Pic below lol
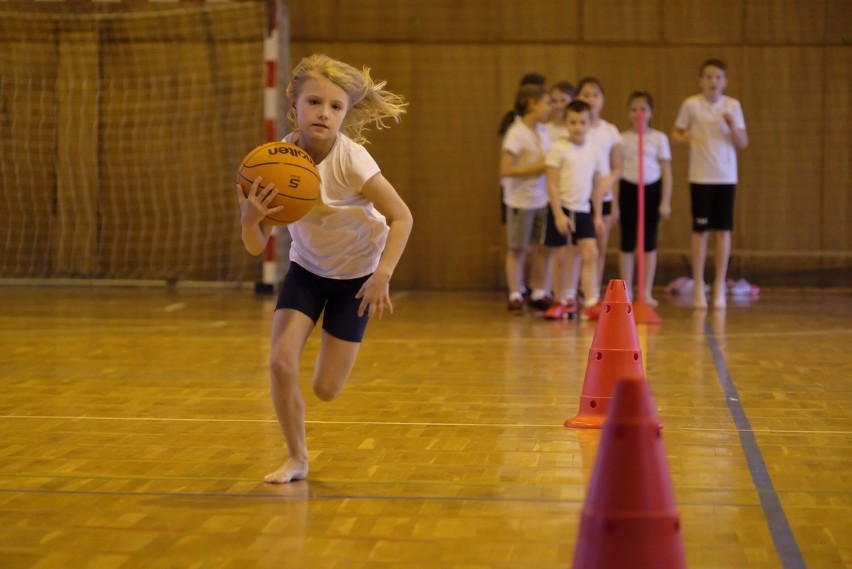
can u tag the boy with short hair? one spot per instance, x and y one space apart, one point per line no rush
575 168
714 127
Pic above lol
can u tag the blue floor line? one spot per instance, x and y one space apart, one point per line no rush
779 527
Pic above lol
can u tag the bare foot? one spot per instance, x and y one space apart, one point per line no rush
651 301
719 300
699 299
291 471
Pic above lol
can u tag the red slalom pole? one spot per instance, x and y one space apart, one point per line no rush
645 313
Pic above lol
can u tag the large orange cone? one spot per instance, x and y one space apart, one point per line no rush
615 353
629 519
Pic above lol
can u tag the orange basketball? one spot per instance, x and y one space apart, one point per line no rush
291 170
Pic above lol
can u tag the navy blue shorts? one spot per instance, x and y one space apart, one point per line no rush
628 205
712 207
584 228
313 295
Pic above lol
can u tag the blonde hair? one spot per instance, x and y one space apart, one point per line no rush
369 102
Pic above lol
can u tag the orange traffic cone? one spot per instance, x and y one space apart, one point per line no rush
644 313
629 518
615 353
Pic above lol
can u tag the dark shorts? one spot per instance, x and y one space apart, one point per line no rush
584 228
312 295
712 207
628 204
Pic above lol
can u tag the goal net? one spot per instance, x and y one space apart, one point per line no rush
122 124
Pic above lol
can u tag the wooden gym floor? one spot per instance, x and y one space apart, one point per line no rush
135 427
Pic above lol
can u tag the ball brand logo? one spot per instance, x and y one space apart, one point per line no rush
291 150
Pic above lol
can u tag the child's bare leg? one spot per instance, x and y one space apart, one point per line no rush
625 269
290 330
602 241
334 364
515 270
723 253
573 263
650 269
591 281
699 256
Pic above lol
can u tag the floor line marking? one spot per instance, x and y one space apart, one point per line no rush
401 424
786 545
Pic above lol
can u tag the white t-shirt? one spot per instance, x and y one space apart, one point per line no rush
578 164
655 147
556 131
604 135
712 154
530 147
342 236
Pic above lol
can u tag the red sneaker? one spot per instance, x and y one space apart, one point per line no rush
516 304
562 310
592 312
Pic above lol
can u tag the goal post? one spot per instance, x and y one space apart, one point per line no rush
122 124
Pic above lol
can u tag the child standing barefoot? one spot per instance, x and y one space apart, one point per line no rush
713 126
344 250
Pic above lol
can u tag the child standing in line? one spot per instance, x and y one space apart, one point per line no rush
714 127
657 169
561 93
575 168
525 195
605 136
344 250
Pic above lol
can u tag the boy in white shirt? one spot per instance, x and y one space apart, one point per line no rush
714 127
575 168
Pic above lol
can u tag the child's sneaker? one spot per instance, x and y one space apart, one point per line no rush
592 312
542 303
564 310
516 304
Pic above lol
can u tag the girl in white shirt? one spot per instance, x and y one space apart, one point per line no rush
606 137
561 93
656 162
344 250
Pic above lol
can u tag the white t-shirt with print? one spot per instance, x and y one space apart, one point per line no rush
655 147
342 236
712 154
529 146
578 164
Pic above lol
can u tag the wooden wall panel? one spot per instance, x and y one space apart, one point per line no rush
699 21
619 21
838 17
543 20
784 158
375 20
454 175
785 21
317 20
836 207
781 171
454 21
